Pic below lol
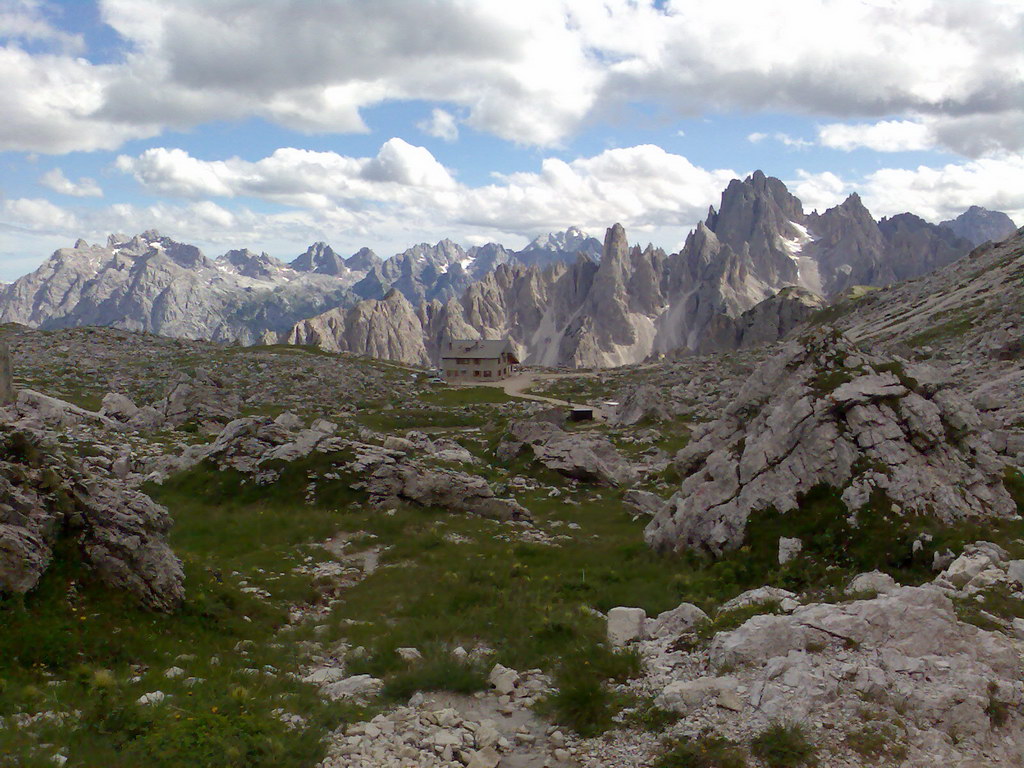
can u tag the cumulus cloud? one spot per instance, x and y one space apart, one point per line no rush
26 20
398 173
642 186
36 215
933 193
885 136
944 192
441 125
530 72
58 182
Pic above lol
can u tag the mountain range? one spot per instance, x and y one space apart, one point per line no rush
753 269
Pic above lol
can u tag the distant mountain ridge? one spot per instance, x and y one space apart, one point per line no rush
632 303
564 299
152 283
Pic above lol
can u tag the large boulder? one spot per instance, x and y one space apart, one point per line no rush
201 397
822 412
393 479
584 456
642 402
121 533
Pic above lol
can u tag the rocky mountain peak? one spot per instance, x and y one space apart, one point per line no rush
362 260
560 246
251 264
321 259
979 225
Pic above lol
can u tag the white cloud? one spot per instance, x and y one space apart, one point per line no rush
885 136
441 125
36 215
531 72
399 173
818 191
944 192
25 20
50 102
58 182
783 138
643 186
933 194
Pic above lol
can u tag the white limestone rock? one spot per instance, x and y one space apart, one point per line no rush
680 619
626 625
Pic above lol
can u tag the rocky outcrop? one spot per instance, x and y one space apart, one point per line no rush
391 478
47 497
979 225
6 375
823 412
643 402
765 323
903 656
584 456
201 397
388 329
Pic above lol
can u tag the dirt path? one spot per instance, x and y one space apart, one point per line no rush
516 386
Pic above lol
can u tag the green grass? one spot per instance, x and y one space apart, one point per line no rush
643 713
75 632
947 330
460 396
877 741
784 745
702 752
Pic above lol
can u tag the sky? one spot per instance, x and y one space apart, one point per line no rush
271 124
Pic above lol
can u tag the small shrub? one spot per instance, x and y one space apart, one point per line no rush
998 713
784 745
582 703
704 752
650 717
438 670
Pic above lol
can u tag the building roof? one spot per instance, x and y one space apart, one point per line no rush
488 348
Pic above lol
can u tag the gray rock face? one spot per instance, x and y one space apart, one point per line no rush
979 225
909 647
6 375
641 402
822 412
556 247
388 329
764 323
45 496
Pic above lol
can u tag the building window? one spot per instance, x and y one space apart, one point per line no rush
476 374
487 374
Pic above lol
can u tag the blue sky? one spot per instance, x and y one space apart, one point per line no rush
273 123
